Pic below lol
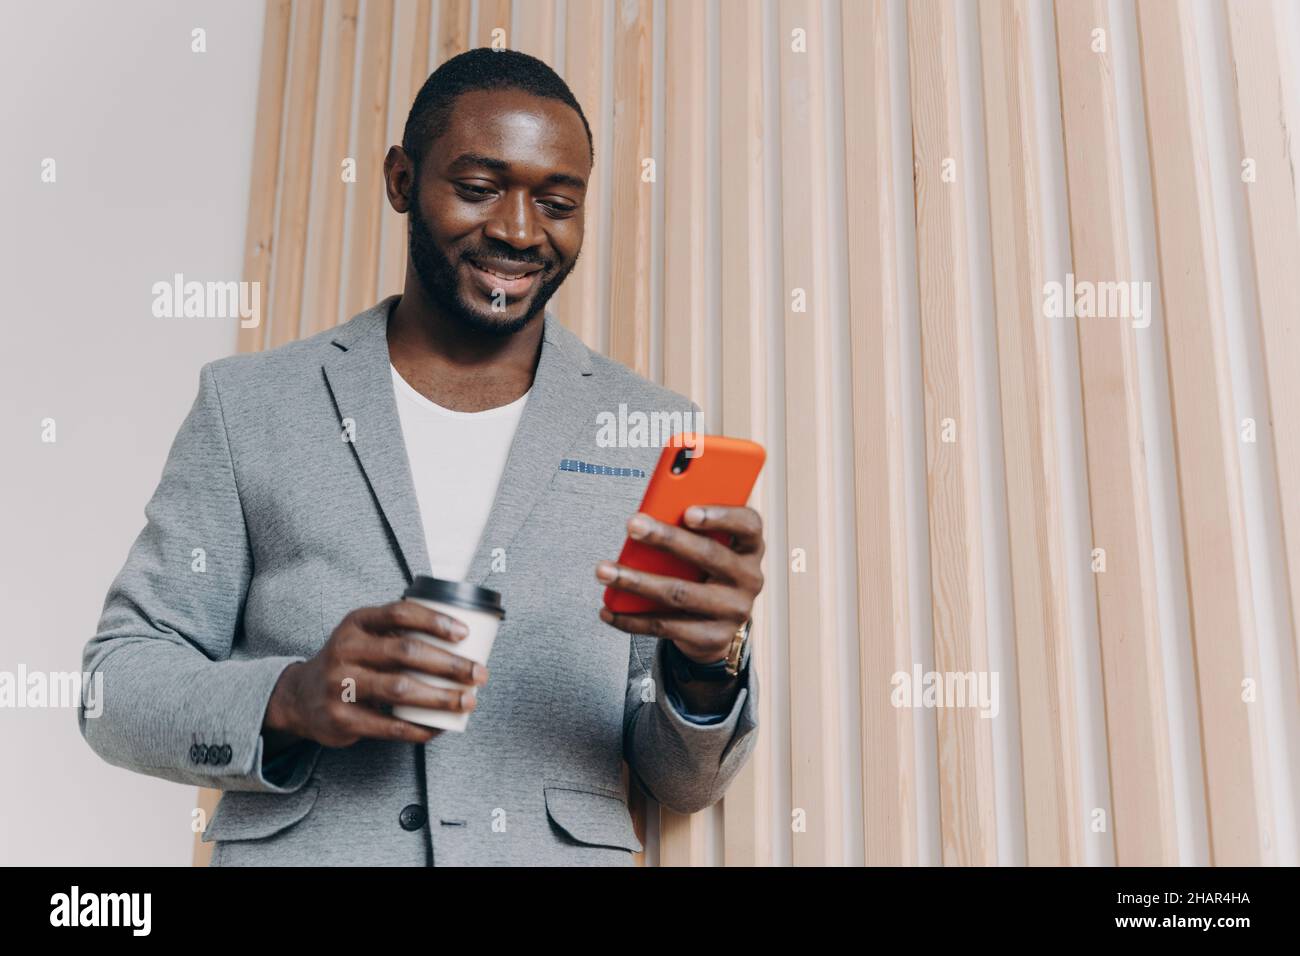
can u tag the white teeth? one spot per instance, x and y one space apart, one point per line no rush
501 275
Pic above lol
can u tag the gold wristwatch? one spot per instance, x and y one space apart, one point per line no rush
687 671
736 656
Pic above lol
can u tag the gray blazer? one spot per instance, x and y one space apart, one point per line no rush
267 527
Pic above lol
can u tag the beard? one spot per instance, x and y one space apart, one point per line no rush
440 279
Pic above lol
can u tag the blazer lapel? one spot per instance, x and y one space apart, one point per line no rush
360 379
559 405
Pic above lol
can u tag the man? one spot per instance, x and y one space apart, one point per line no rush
254 641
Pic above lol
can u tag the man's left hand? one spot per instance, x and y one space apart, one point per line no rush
700 618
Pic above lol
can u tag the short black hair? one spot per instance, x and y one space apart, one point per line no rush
482 68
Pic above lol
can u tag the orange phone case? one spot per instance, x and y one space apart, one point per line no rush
722 474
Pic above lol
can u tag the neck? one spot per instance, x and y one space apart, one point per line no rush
458 367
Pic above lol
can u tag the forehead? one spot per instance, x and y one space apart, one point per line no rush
535 135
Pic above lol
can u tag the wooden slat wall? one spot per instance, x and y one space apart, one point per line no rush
884 634
1141 774
747 823
324 249
290 253
324 275
967 821
1205 435
260 233
629 248
1048 723
493 15
368 150
411 67
535 30
578 302
1266 140
815 725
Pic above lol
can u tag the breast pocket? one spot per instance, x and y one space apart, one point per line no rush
590 815
612 487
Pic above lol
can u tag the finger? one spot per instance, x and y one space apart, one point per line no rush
366 722
398 688
701 640
710 600
706 553
410 616
744 524
410 651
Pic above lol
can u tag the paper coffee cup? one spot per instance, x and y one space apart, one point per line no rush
481 612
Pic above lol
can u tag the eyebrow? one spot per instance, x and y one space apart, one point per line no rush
466 160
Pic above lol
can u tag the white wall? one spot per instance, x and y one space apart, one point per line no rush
152 144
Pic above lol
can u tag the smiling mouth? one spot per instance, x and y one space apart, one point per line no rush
508 276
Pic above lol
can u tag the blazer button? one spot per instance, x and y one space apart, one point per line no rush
226 753
203 753
412 817
194 753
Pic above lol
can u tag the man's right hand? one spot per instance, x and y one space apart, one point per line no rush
311 699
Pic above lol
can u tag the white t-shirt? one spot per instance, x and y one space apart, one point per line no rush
457 459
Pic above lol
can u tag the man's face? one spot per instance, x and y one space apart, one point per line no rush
497 208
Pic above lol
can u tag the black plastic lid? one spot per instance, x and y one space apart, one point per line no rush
455 592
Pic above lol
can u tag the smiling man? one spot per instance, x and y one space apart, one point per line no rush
255 640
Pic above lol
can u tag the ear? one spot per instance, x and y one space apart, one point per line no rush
399 177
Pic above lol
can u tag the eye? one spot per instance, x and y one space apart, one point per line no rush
560 208
474 190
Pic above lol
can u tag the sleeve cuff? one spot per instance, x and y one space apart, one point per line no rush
244 765
671 705
703 719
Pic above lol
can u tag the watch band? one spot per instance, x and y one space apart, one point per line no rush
737 659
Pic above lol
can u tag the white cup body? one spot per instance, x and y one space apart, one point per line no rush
482 633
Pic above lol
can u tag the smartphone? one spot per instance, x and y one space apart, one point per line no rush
692 470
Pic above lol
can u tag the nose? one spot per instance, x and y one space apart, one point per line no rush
514 221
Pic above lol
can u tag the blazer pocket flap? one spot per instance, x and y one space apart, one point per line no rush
593 817
251 815
620 483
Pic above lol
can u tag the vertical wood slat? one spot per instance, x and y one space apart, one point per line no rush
324 275
1205 440
815 731
259 237
578 303
685 839
493 15
749 804
410 70
884 638
290 251
967 821
453 31
535 30
1141 775
1054 818
368 151
1274 228
630 241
